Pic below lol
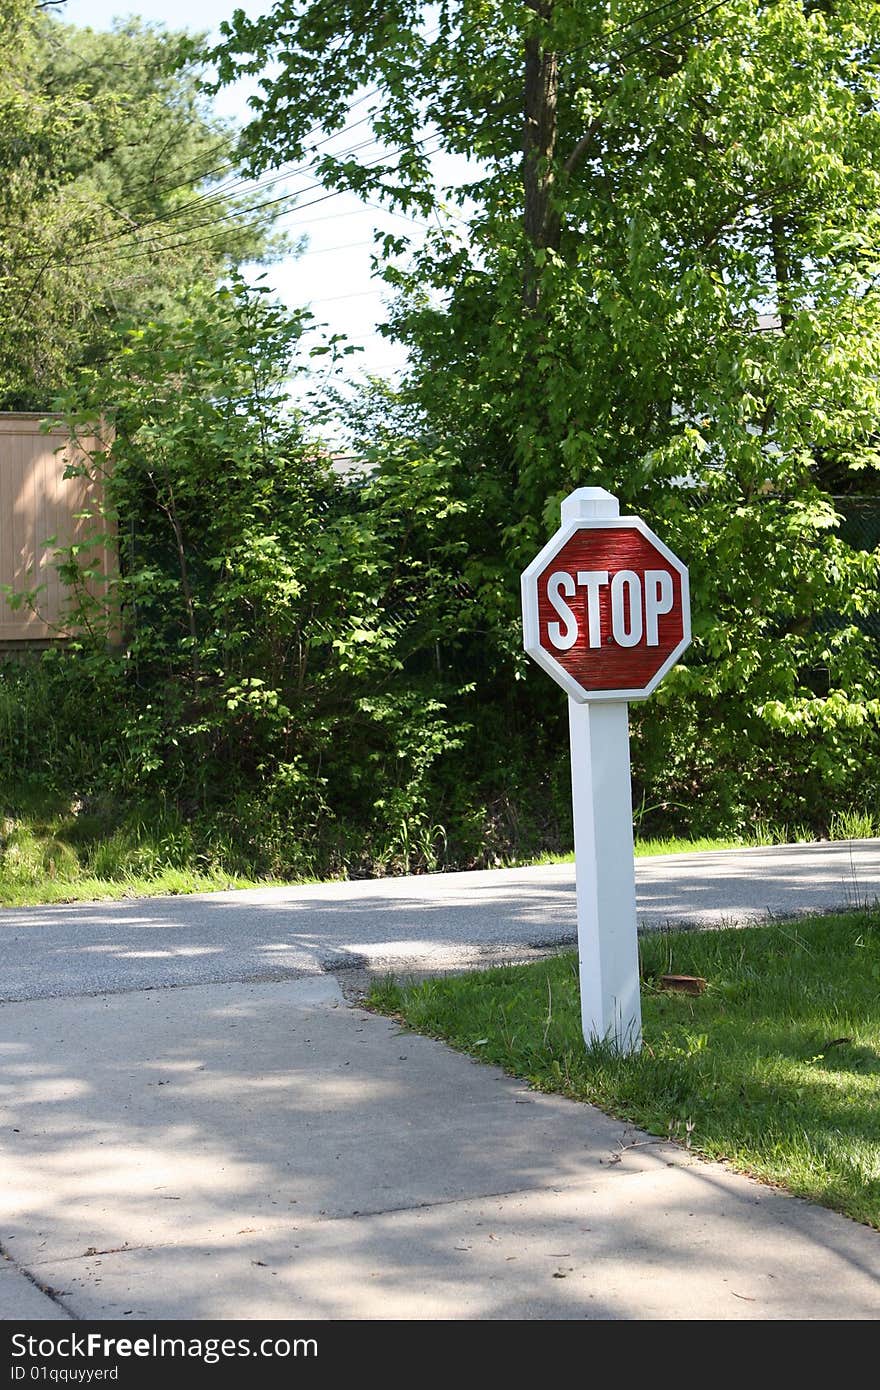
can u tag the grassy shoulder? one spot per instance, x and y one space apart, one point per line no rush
52 851
846 824
55 851
165 883
54 859
775 1068
680 844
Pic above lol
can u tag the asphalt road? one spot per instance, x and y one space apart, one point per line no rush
251 1147
431 922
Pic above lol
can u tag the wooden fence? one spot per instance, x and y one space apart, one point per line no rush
37 503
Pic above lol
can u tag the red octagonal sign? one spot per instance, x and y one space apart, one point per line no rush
606 609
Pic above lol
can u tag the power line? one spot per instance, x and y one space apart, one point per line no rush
219 196
692 19
288 197
622 28
343 130
126 255
243 180
283 172
345 246
232 187
386 212
356 212
337 298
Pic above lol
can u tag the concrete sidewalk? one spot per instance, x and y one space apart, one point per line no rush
264 1150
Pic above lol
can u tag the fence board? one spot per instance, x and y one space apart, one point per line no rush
36 503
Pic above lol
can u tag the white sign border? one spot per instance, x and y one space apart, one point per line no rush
531 621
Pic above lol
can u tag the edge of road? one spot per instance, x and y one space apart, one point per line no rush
440 876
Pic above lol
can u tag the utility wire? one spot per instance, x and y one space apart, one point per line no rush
215 198
243 180
223 191
345 246
343 130
220 195
622 28
692 19
126 255
337 298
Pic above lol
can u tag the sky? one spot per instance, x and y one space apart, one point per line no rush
332 276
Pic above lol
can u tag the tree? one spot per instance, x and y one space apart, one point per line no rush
669 288
115 192
254 649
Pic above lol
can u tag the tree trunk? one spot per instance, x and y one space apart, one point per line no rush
542 225
782 269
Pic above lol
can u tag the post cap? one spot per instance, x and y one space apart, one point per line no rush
588 504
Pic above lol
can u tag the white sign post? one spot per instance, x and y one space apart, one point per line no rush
606 613
605 874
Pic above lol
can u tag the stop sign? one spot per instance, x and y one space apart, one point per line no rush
606 608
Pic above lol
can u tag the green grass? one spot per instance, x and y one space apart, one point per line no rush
85 889
672 845
775 1068
56 853
52 858
845 825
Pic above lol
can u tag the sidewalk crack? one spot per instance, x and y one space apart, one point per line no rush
48 1290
